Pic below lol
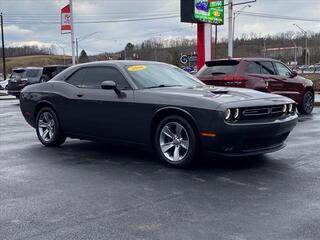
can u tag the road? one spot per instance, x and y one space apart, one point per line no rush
86 190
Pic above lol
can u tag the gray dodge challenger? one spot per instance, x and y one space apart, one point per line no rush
158 106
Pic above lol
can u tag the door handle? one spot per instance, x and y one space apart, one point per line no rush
79 95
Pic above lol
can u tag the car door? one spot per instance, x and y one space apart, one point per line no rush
73 116
286 84
105 114
256 80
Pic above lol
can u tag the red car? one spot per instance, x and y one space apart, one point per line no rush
262 74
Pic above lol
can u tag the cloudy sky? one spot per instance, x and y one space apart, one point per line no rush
37 21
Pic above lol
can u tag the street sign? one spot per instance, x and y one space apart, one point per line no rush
184 59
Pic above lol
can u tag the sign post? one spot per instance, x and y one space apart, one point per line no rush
67 26
204 13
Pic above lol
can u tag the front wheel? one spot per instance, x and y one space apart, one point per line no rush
48 128
307 104
176 141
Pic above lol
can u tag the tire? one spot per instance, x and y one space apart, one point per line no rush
174 148
307 104
47 120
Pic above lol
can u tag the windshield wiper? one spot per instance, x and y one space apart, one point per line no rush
162 85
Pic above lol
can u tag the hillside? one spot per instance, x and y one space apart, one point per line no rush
35 61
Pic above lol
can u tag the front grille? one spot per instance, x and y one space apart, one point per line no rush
262 112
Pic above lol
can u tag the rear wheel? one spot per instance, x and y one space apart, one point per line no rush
307 104
175 141
48 128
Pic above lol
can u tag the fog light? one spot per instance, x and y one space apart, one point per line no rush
284 109
236 113
227 114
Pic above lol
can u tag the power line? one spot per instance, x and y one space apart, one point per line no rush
94 21
266 15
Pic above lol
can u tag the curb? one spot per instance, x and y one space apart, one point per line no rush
8 98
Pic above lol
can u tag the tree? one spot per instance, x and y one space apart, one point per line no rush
83 57
128 51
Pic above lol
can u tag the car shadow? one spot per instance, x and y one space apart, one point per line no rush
86 152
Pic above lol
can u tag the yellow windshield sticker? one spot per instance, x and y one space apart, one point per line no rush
137 68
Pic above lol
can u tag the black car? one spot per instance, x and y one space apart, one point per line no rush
21 77
159 106
49 72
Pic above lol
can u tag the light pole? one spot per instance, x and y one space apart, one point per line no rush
295 50
236 14
78 39
306 42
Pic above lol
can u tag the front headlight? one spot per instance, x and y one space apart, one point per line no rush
284 109
290 108
227 114
236 113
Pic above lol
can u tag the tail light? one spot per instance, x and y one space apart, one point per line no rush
232 80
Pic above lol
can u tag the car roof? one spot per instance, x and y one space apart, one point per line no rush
26 68
120 62
56 66
247 59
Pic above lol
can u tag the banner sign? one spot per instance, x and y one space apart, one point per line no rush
65 19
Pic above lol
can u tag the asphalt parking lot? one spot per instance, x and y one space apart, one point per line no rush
86 190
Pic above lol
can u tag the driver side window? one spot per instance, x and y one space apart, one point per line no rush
282 69
96 75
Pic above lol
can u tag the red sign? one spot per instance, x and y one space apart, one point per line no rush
66 19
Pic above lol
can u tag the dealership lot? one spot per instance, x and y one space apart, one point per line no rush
86 190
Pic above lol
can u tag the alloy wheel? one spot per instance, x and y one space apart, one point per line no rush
308 102
46 126
174 141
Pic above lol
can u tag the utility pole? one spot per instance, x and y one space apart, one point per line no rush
3 50
306 42
77 54
72 34
78 39
264 48
230 43
236 14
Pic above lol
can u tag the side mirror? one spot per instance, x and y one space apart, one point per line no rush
110 85
294 74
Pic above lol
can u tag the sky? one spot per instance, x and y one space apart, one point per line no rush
36 22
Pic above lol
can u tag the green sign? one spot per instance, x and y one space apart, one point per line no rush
209 11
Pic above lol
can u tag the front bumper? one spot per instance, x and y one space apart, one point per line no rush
250 138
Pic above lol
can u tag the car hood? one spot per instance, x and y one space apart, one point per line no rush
222 97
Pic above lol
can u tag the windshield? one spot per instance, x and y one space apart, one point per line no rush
18 73
161 75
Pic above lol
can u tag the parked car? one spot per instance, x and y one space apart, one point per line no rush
21 77
4 84
49 72
265 75
159 106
